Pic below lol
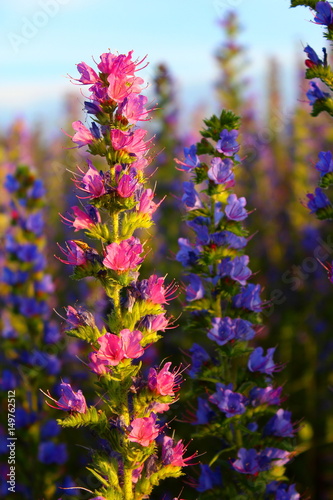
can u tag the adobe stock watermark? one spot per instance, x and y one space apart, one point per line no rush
30 26
297 274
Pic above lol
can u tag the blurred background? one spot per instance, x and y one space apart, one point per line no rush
243 55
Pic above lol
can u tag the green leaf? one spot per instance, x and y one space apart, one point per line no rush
326 180
91 418
306 3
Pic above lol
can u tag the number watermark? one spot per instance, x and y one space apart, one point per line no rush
11 442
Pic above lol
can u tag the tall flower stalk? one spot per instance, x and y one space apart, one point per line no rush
131 453
238 409
29 346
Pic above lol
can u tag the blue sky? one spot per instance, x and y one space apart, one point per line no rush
42 40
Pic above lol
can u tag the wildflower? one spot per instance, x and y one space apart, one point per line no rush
249 298
220 171
52 453
314 94
172 454
82 135
143 430
324 14
247 462
236 268
280 425
163 382
195 289
84 219
190 197
187 255
318 200
88 75
70 400
231 403
325 163
126 186
146 204
92 182
227 144
282 491
123 256
313 60
265 395
191 159
199 357
222 331
76 256
133 108
209 478
235 208
263 364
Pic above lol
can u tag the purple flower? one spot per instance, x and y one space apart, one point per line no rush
313 59
199 357
191 159
37 190
27 252
325 163
260 363
280 425
204 413
187 254
35 223
235 208
209 478
195 289
265 395
52 453
282 491
227 238
247 462
318 200
126 186
265 457
324 14
190 197
201 227
49 429
227 143
70 400
222 331
231 403
236 268
220 171
13 277
11 183
249 298
8 380
243 329
314 93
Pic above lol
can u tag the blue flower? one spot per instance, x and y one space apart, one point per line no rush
229 239
231 403
249 298
13 277
191 159
243 329
280 425
318 200
199 357
37 190
325 163
220 171
195 289
187 255
312 56
235 208
201 227
27 252
11 183
49 429
8 380
324 14
282 491
204 413
265 395
51 333
52 453
190 197
227 143
236 268
35 223
264 364
247 462
209 478
315 94
222 331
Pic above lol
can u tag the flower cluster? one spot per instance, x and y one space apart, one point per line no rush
238 403
30 338
115 203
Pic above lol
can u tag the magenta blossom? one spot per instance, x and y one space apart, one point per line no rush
133 108
83 136
76 256
98 365
143 430
126 186
88 75
114 349
146 204
69 400
123 256
163 382
83 219
130 142
92 182
130 343
173 454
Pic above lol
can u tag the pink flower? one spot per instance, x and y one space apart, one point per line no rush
162 382
173 455
146 204
105 66
156 323
133 108
155 292
83 136
92 182
118 88
123 256
131 142
143 430
76 256
110 349
136 474
126 186
70 400
78 317
130 342
83 219
88 75
98 365
140 164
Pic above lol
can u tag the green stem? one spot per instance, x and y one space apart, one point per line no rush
127 490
